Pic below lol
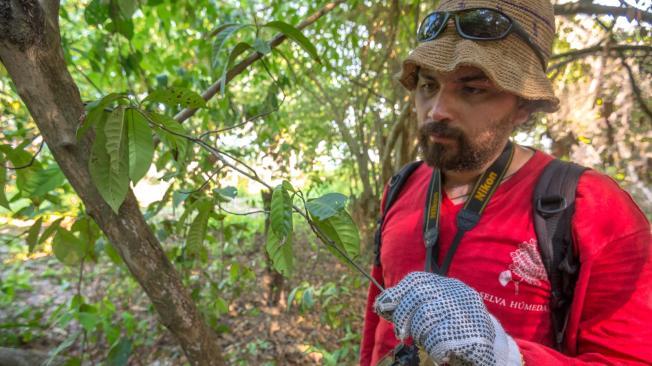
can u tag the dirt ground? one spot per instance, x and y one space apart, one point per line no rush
259 334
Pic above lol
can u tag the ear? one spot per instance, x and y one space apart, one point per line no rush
523 111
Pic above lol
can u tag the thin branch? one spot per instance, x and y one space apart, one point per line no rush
359 83
598 48
590 8
332 244
571 56
88 79
396 130
31 161
241 213
253 57
206 182
237 160
636 89
258 116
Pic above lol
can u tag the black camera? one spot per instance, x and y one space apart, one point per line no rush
405 355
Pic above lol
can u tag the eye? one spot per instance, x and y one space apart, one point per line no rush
427 87
472 91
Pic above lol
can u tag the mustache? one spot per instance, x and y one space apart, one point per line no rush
440 129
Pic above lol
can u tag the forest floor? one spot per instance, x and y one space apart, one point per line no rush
255 333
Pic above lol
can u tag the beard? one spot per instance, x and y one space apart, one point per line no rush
462 153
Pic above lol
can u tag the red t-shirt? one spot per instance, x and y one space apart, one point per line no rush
610 319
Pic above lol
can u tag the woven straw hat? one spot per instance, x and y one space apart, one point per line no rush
510 63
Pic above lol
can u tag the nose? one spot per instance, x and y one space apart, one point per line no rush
441 108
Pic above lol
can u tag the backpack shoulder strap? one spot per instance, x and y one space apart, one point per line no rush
554 205
393 189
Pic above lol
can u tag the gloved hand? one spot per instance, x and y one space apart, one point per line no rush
447 319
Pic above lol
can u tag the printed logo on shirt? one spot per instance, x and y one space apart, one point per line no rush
526 266
513 304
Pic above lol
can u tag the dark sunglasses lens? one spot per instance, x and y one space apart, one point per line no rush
430 26
484 23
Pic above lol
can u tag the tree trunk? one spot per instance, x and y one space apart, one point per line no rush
26 357
30 49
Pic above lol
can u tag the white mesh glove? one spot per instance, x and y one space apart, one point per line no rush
448 319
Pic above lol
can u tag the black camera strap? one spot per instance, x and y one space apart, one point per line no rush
470 214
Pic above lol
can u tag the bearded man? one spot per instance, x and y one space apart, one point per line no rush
477 74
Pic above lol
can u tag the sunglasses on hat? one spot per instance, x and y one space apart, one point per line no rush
480 24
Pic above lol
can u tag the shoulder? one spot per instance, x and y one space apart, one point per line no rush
404 179
602 194
604 212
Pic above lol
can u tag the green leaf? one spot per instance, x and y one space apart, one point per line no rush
50 230
127 8
235 52
24 177
141 145
226 194
294 34
119 353
88 321
95 111
3 181
112 185
281 213
189 209
221 306
124 26
287 186
223 33
176 96
307 300
327 205
262 46
280 252
171 133
32 234
113 254
291 297
43 181
61 347
116 140
341 229
67 248
197 232
96 12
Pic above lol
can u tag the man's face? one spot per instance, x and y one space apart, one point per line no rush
464 120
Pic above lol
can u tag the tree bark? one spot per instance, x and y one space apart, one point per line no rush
26 357
30 49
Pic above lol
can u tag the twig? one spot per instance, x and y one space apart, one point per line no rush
88 79
330 243
598 48
636 89
208 180
590 8
260 115
575 55
241 213
31 161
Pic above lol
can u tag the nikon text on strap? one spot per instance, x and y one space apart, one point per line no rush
470 214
